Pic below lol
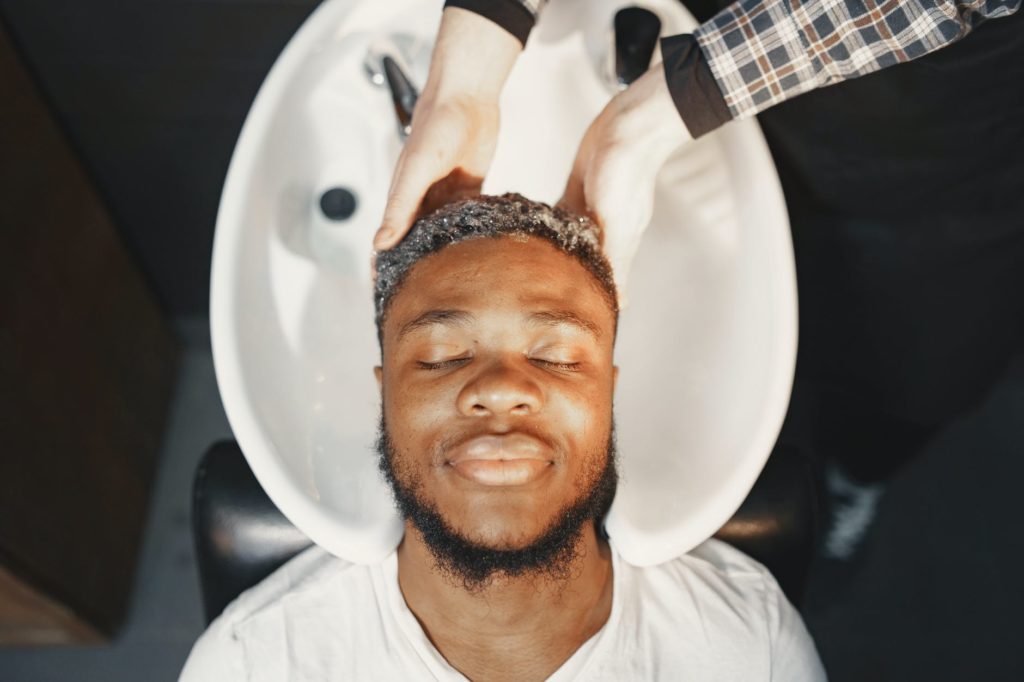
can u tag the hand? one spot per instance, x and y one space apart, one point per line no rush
614 173
455 123
445 158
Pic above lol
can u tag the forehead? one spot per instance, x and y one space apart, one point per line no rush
504 273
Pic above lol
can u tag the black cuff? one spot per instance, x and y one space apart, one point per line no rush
692 85
511 15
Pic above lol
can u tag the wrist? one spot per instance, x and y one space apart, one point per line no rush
472 57
694 90
645 111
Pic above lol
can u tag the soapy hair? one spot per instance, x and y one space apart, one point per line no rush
508 215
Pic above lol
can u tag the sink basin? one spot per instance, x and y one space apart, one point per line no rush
706 347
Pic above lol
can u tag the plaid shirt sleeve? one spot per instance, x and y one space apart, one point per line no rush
762 52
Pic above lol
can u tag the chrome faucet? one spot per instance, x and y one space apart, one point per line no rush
384 66
403 95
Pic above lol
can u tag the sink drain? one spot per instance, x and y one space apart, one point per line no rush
338 203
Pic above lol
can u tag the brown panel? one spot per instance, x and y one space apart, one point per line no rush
30 618
86 369
152 95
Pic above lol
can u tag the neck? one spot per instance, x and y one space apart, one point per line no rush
513 627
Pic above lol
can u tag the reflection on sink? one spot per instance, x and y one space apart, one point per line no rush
706 347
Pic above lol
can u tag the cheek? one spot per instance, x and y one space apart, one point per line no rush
586 421
415 413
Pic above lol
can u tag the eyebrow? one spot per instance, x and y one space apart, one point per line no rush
461 318
449 318
556 318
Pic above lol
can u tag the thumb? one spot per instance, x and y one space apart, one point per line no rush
626 215
574 196
620 273
413 177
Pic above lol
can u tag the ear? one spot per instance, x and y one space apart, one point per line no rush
378 374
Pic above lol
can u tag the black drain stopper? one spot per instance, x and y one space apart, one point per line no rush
338 203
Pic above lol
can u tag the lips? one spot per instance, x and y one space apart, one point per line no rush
500 460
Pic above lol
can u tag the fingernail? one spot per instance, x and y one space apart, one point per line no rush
381 239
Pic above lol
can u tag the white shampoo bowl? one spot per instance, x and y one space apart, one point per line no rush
706 347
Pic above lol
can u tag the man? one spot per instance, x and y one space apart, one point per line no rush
904 188
497 320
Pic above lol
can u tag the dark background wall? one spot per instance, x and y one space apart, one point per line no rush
153 93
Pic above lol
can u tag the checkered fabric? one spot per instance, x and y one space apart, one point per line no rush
762 52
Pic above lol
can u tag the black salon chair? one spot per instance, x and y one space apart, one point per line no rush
241 537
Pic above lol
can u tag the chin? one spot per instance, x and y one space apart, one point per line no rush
502 530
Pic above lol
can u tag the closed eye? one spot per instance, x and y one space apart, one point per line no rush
444 364
563 366
457 362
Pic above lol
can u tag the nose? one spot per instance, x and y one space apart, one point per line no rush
500 389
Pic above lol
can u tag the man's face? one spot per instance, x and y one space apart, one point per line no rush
497 382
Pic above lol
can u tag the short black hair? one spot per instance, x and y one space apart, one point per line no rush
491 217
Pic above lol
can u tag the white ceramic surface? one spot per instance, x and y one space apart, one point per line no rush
706 347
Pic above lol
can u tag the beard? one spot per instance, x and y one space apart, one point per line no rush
471 564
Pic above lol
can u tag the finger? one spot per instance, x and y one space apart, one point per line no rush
574 195
626 216
622 295
622 260
573 199
415 174
620 274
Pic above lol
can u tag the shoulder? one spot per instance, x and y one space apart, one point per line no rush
741 582
719 558
303 573
719 575
739 607
715 562
722 586
221 652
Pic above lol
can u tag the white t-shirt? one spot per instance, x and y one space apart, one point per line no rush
711 614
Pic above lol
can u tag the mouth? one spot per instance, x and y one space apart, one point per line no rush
500 460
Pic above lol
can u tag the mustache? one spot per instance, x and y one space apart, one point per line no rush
454 440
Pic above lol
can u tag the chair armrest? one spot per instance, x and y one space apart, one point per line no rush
240 536
778 522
